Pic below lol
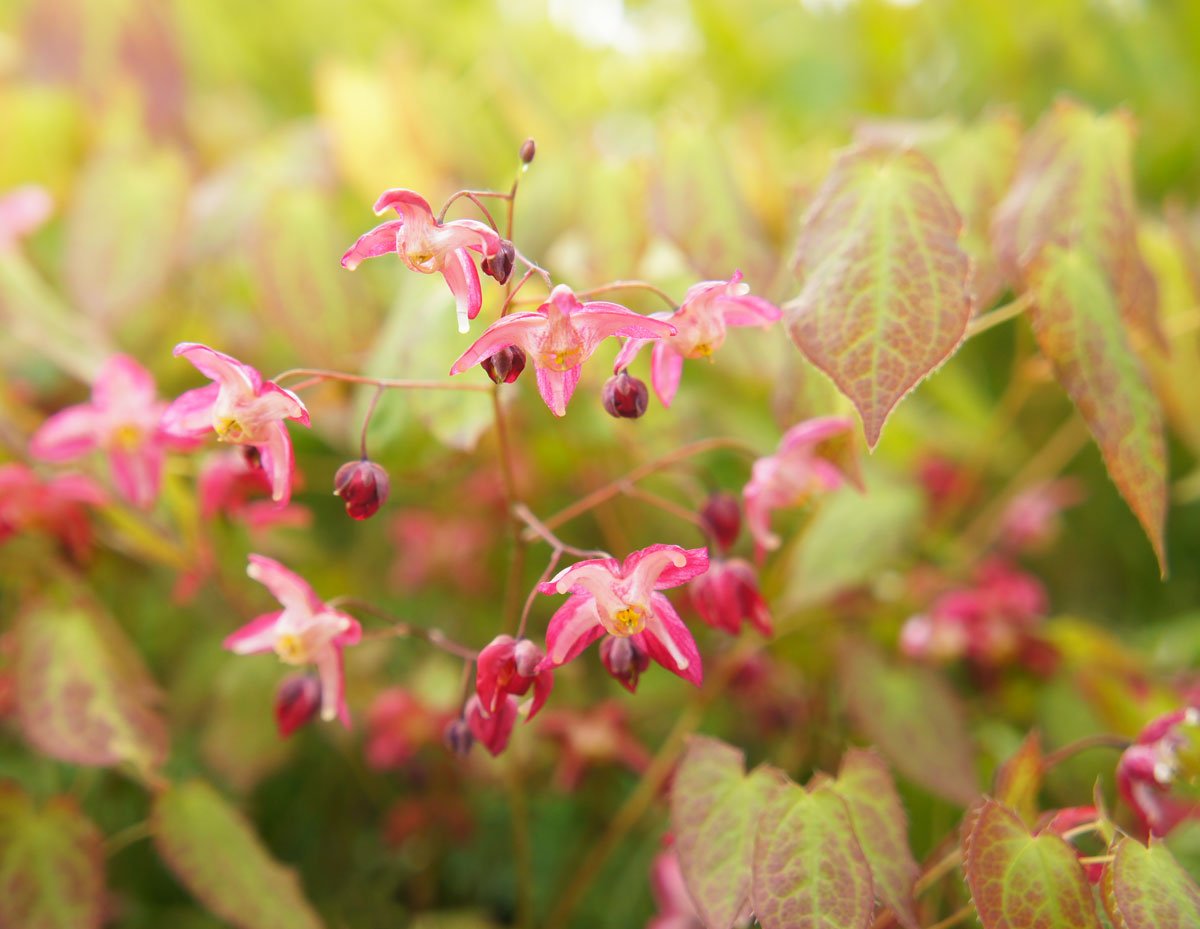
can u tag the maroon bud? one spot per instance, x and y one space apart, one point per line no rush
722 518
297 702
500 265
526 658
624 660
506 365
252 457
457 737
363 485
625 397
528 150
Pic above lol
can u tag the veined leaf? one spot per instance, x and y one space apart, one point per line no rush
1146 888
1076 324
1019 779
884 298
214 852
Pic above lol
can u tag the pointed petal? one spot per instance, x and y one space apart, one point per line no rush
138 473
256 636
812 431
747 311
666 368
556 387
408 203
224 369
628 352
467 233
286 586
542 685
275 402
123 384
671 564
493 658
191 413
596 321
514 329
758 517
333 686
379 241
572 628
463 279
277 461
67 434
668 641
595 573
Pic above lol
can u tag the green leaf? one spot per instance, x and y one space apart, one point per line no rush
214 852
914 717
714 816
809 870
1077 327
884 298
881 827
1020 881
1146 888
83 693
1019 779
51 865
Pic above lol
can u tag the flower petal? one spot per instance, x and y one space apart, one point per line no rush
379 241
542 685
224 369
596 321
556 387
67 434
668 641
463 279
660 566
277 460
408 203
256 636
467 233
123 384
137 473
747 311
514 329
286 586
191 413
573 627
666 368
628 352
596 573
275 402
333 686
812 431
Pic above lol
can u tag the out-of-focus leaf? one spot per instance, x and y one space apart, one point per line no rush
51 865
83 693
714 816
1077 327
1146 888
243 746
1020 881
124 227
214 852
1019 779
881 826
809 870
915 719
884 298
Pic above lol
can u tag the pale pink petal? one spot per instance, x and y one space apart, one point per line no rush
256 636
594 573
668 641
67 434
514 329
351 635
275 402
333 686
22 210
812 431
467 233
190 415
289 588
463 279
758 518
747 311
597 321
408 203
667 565
123 384
77 488
224 369
666 369
826 474
137 473
277 460
556 387
628 352
379 241
573 627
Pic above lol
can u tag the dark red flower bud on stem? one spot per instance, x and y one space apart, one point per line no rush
528 150
722 518
297 702
363 485
625 397
500 265
506 365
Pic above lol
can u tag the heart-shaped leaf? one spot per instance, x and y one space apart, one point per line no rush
1019 779
1146 888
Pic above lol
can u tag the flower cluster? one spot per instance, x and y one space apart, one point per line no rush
1159 775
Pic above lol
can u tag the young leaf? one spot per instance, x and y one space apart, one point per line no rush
884 298
1146 888
809 870
1020 881
714 816
1019 779
1077 327
881 826
83 694
214 852
51 865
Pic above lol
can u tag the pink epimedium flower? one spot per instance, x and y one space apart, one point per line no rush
1159 775
306 631
492 730
122 420
727 595
623 600
507 666
57 506
559 337
242 409
800 469
425 245
708 309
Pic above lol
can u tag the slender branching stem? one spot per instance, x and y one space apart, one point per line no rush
398 629
319 375
997 316
541 531
362 441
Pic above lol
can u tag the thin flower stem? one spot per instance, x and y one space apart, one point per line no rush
629 285
540 531
997 316
1097 859
956 917
662 503
362 442
1093 826
318 375
555 555
939 869
473 196
534 266
119 841
400 629
1103 740
508 299
507 472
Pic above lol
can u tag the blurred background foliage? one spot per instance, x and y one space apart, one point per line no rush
209 162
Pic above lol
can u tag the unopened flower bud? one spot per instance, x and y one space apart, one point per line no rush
252 456
363 485
506 365
528 150
526 657
457 737
500 265
722 518
624 660
625 397
297 702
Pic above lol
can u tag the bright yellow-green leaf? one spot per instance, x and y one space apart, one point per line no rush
1146 888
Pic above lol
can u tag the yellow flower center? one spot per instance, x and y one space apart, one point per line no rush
630 620
228 429
127 437
703 350
291 649
562 360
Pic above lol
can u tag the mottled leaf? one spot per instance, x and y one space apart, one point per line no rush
714 816
214 852
881 826
1020 881
1019 779
914 717
83 693
1146 888
884 298
1077 327
51 865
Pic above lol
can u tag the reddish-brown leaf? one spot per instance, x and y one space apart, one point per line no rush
1146 888
1019 779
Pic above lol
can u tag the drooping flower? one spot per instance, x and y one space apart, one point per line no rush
509 666
559 337
297 702
233 484
623 600
708 309
305 632
122 420
625 397
425 245
56 506
721 518
624 661
242 409
492 730
812 459
727 595
1159 775
363 485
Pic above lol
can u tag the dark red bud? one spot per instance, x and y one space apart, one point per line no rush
363 485
625 397
500 265
528 150
506 365
252 456
526 658
297 702
624 660
457 737
722 518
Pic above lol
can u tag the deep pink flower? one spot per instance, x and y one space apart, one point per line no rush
399 724
425 245
242 409
363 485
238 488
722 519
805 464
297 702
727 595
708 309
508 666
306 631
559 337
57 506
587 738
122 420
1032 519
624 661
1159 775
22 210
493 730
624 601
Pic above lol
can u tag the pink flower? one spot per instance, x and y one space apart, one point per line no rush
1158 775
399 724
624 601
123 420
230 484
242 409
708 309
805 464
727 595
306 631
675 907
22 210
507 666
589 738
493 730
559 338
1031 520
425 245
56 506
